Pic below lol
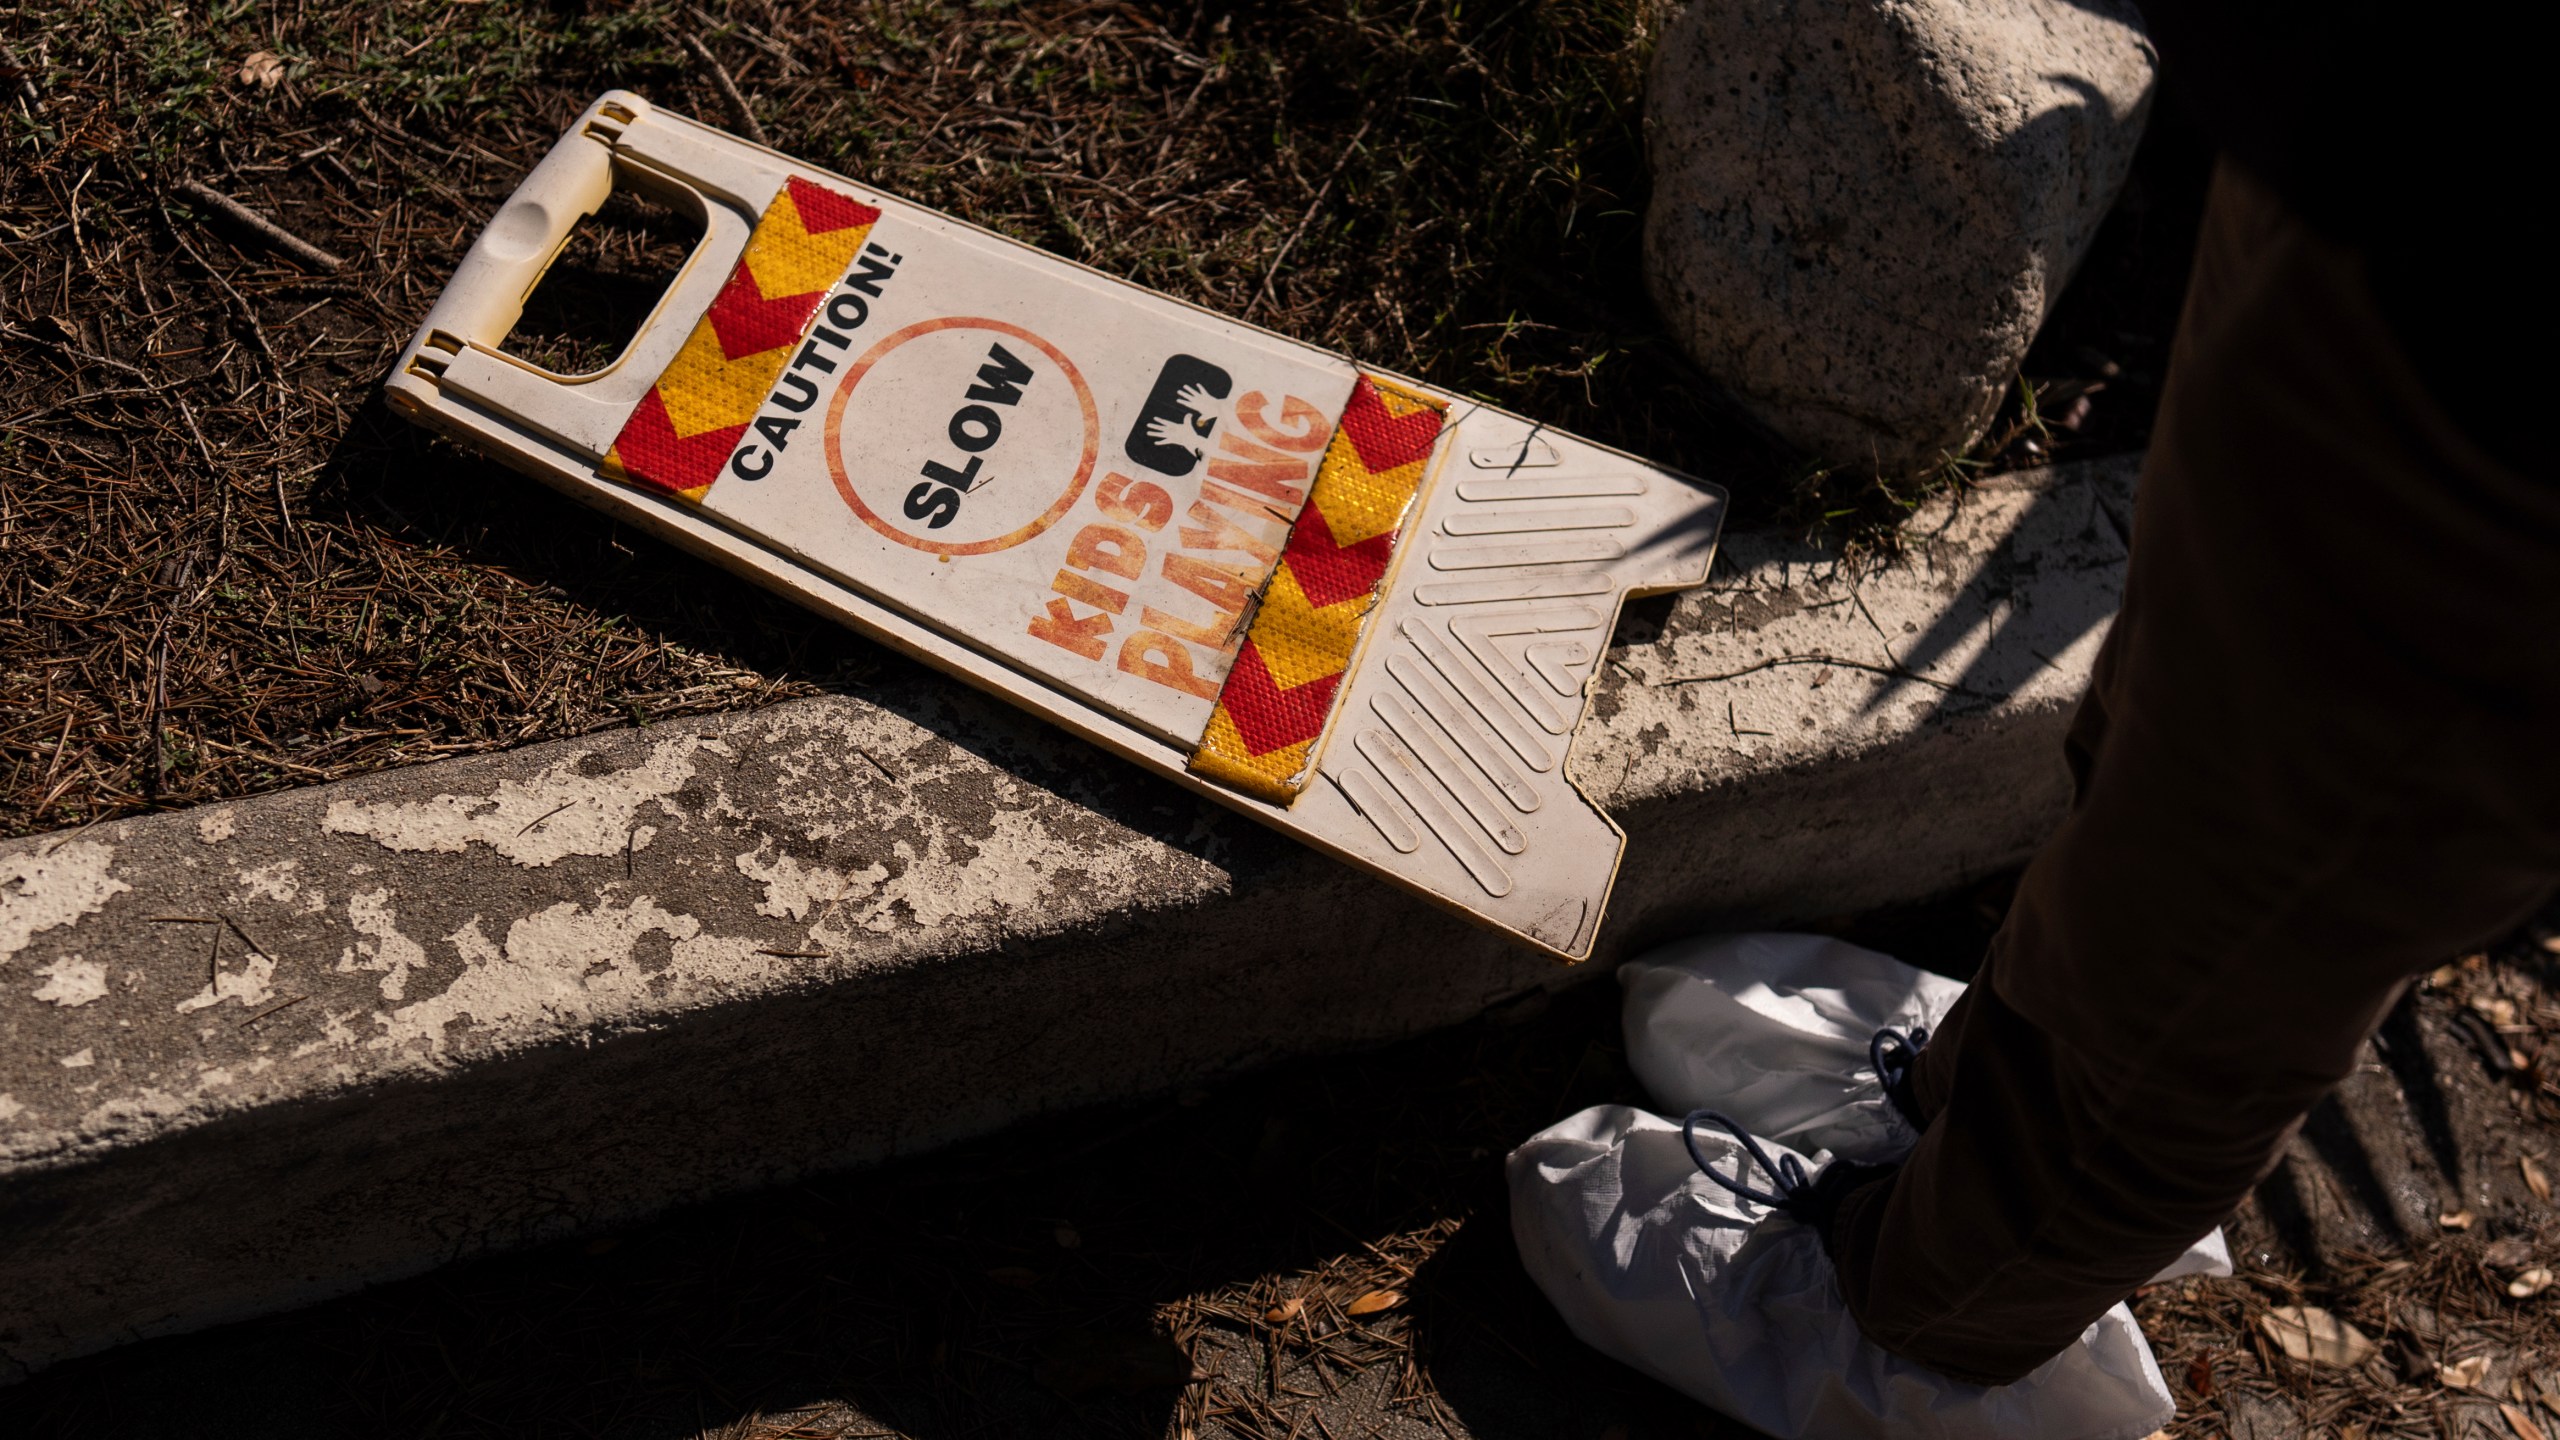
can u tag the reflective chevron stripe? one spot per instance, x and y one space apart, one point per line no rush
682 431
1281 690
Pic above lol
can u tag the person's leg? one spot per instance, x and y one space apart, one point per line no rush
2315 757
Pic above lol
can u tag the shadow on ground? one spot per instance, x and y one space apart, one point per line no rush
1047 1282
1007 1288
1115 1272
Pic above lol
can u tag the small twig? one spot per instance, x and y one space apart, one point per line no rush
796 954
266 229
1174 127
239 304
71 208
254 947
729 91
13 68
547 814
1888 671
270 1010
214 961
1272 274
354 181
405 138
25 417
75 352
187 413
158 775
759 39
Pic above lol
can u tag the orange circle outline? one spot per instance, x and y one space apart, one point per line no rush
937 547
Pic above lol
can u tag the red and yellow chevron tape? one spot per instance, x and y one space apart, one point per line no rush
1280 692
682 431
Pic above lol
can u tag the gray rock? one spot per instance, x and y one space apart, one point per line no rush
1862 211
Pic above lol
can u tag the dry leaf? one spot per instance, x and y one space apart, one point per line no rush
2529 1284
264 70
2458 1220
2496 1009
2508 1254
2354 1430
2522 1423
1284 1312
2463 1374
2443 976
2309 1333
1014 1277
2534 1179
1373 1302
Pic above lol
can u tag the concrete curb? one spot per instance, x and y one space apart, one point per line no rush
260 1053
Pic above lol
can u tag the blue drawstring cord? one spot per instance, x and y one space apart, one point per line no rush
1813 1201
1789 1173
1807 1198
1893 1053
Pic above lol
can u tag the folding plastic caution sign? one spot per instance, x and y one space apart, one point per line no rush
1361 610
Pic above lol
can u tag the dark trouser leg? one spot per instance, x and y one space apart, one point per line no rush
2318 754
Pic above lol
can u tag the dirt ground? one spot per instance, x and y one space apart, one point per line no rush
1323 1253
225 568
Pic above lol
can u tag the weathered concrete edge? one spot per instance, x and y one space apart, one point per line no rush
1065 931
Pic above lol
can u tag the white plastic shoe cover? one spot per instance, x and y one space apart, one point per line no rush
1772 1029
1735 1305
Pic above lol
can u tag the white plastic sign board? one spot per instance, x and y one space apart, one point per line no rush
1361 610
